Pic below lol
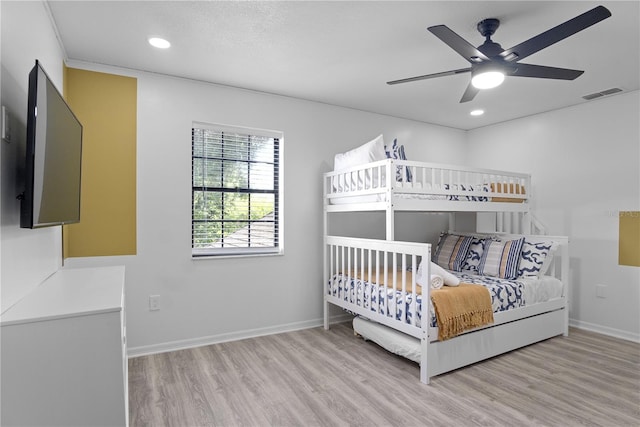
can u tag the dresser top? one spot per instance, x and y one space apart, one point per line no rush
70 292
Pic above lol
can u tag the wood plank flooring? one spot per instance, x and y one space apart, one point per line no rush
332 378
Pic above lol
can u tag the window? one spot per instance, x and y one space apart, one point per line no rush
235 195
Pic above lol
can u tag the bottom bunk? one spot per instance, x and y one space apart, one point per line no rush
378 281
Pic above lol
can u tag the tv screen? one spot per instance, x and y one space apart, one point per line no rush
53 157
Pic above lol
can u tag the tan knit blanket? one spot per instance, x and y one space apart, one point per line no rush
461 308
458 309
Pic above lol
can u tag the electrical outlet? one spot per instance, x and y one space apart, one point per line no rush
601 291
154 302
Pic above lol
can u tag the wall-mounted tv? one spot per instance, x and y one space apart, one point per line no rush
53 157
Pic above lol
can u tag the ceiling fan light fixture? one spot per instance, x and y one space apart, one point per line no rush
490 63
487 79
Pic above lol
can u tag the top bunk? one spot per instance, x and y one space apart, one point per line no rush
389 183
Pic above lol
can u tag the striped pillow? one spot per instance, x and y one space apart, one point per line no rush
500 258
451 251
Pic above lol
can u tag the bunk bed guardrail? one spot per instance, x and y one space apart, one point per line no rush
433 179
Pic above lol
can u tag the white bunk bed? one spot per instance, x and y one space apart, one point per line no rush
401 185
355 268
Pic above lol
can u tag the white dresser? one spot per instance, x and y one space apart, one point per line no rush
64 352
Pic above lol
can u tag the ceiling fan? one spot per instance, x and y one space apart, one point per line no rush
490 63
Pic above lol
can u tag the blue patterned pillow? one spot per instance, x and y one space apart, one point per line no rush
451 251
476 249
397 152
532 258
500 258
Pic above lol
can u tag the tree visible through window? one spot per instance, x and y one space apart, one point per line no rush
235 191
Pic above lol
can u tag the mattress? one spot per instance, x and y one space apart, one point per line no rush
505 295
396 342
426 195
373 198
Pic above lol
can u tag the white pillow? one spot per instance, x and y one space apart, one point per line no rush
372 151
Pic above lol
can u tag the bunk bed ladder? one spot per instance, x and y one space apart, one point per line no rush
512 223
537 227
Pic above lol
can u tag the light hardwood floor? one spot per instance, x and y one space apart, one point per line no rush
332 378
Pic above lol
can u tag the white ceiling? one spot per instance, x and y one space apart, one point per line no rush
343 53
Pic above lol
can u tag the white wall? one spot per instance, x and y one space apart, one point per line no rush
27 256
584 162
592 146
216 299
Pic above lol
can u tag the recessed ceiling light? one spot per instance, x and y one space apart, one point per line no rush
159 43
477 112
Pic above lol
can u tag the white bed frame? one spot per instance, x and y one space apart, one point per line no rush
373 187
511 329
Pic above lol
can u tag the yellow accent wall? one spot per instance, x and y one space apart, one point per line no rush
106 105
629 242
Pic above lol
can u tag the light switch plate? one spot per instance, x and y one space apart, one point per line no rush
6 125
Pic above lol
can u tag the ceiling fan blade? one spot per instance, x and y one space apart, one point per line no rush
542 72
469 93
556 34
457 43
430 76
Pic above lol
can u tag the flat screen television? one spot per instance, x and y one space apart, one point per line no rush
53 157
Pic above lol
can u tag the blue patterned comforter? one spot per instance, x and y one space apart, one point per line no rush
505 295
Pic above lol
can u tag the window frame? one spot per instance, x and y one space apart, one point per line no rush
211 252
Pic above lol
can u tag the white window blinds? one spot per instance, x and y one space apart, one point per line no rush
235 191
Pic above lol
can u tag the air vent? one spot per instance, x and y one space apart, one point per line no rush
603 93
611 91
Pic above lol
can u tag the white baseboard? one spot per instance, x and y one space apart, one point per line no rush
146 350
296 326
617 333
